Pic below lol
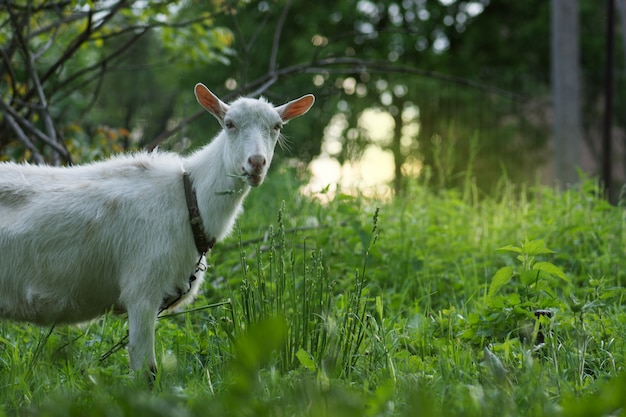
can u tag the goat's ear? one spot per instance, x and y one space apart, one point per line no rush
210 102
296 107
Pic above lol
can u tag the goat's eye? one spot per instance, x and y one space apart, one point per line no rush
278 126
229 124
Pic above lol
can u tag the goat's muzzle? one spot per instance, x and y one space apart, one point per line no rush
255 170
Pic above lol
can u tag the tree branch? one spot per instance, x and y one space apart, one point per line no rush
170 132
263 87
76 15
347 65
96 92
104 61
29 60
277 34
9 67
44 6
46 46
247 46
63 21
22 136
71 78
82 38
10 111
153 25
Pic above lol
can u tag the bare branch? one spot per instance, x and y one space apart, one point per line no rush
170 132
47 45
134 28
10 111
44 6
63 20
247 47
257 33
360 65
99 64
58 23
263 87
22 136
352 65
277 34
45 113
99 78
9 68
346 65
96 92
84 36
29 60
143 29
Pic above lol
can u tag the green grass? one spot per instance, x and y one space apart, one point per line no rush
421 306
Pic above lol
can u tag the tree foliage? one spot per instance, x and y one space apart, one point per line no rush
393 56
64 63
466 82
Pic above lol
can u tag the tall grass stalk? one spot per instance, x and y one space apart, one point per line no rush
326 332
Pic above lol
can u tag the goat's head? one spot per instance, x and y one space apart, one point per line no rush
252 130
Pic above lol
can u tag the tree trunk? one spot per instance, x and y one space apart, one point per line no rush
396 149
566 90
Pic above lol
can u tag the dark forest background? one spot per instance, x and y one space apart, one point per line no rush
467 83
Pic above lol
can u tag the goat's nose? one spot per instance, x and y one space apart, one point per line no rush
257 162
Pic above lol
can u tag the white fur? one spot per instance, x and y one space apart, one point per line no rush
76 242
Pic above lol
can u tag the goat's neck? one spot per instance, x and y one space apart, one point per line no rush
219 195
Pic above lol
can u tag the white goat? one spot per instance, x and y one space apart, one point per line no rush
78 241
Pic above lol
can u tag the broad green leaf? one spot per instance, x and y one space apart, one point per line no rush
495 303
501 277
544 286
513 299
551 269
511 248
519 311
536 247
529 277
534 275
468 334
306 360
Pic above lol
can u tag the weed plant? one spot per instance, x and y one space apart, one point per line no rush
444 302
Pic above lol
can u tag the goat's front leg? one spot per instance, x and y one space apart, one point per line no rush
141 325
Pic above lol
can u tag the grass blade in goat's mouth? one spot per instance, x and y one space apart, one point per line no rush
242 177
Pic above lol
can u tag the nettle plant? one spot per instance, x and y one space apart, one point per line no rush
521 297
533 304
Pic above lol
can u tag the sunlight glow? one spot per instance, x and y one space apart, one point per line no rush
378 124
369 176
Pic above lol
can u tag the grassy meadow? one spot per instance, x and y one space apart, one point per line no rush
440 303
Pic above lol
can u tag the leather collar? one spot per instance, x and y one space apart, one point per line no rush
202 243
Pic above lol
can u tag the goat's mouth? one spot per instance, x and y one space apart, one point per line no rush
253 180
